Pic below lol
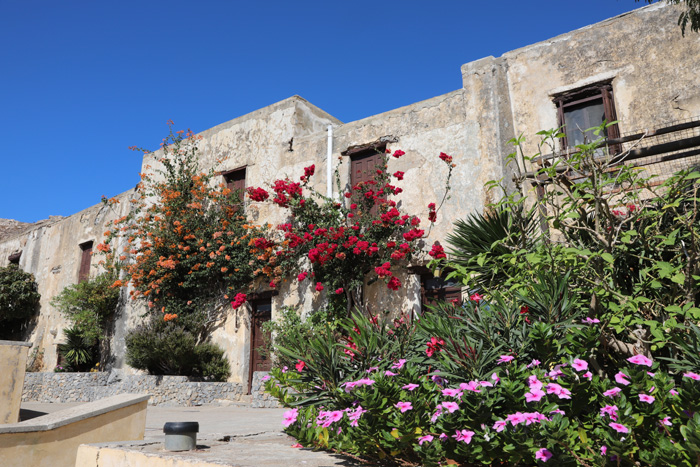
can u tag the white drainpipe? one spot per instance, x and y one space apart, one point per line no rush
329 163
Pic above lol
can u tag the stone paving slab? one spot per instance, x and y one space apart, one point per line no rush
229 436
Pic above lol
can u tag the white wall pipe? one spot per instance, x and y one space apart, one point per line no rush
329 163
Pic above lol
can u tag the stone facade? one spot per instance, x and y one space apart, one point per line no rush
651 68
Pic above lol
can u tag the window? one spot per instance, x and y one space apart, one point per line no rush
436 289
585 108
363 167
85 257
235 181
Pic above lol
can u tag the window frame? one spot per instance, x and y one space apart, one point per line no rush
575 97
85 260
231 177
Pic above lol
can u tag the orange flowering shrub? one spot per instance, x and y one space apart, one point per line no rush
180 239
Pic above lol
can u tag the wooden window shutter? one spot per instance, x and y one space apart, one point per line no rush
85 258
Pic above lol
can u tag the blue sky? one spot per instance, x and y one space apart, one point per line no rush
84 80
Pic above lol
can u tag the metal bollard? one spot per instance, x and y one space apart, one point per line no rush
180 436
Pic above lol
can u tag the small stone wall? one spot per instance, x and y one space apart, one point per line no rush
260 398
164 390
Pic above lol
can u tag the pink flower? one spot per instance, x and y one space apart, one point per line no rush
619 427
495 377
290 416
646 398
390 373
410 387
300 366
505 359
355 415
266 377
640 360
692 375
579 365
590 321
398 365
610 410
559 411
463 435
554 388
533 382
588 375
516 418
450 406
666 421
543 454
534 395
452 393
319 286
476 298
603 450
423 439
620 378
534 363
500 425
403 406
470 386
673 392
612 392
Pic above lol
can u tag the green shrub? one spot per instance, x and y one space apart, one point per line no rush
89 306
19 300
78 351
165 348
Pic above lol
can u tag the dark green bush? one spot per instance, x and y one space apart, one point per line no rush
165 348
79 352
18 300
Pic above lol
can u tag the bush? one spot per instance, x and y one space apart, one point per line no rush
78 351
89 305
19 300
165 348
409 394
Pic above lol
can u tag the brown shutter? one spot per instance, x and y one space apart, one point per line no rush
235 181
85 258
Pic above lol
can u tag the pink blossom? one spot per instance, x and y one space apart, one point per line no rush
463 435
619 427
610 410
285 369
371 369
620 378
505 359
646 398
666 421
533 382
452 393
588 375
403 406
500 425
590 321
559 411
692 375
355 415
555 373
476 297
423 439
533 417
612 392
398 365
579 365
640 360
390 373
673 392
410 387
543 454
562 393
495 377
534 363
603 450
266 377
485 384
516 418
535 394
450 406
290 416
470 386
438 412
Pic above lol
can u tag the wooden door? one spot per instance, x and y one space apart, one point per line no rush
85 258
259 359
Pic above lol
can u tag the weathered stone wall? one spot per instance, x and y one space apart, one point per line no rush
164 390
653 70
260 398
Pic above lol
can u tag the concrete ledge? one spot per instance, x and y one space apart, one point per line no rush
74 414
52 440
21 343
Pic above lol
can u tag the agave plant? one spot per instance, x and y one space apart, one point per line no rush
78 350
481 242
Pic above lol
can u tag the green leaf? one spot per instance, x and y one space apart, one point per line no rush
608 257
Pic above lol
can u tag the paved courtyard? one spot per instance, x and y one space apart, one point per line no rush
228 436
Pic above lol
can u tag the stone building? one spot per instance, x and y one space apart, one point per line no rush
635 68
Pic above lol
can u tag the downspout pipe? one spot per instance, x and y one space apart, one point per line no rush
329 164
